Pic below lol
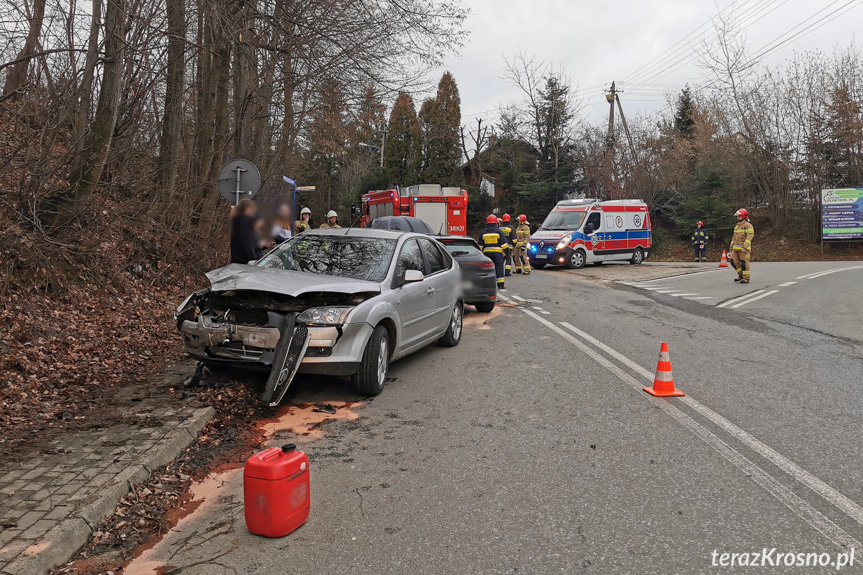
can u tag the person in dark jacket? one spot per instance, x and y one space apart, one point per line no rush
245 241
494 243
699 242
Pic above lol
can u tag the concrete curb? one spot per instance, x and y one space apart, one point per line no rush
64 540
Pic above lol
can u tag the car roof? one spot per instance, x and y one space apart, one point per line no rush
360 232
455 238
412 223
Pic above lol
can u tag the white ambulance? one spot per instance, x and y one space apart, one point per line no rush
579 232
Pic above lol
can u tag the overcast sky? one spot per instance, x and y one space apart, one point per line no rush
598 41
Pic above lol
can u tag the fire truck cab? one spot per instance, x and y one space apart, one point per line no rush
444 209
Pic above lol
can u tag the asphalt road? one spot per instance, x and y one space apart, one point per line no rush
531 448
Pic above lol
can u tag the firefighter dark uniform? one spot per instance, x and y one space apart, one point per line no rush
522 237
699 241
741 246
493 244
506 229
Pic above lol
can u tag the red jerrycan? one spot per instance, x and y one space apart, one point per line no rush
276 491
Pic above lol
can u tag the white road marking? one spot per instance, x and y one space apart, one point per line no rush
683 294
542 311
782 493
653 288
737 299
536 307
753 299
701 297
824 273
518 298
663 290
682 275
786 284
830 494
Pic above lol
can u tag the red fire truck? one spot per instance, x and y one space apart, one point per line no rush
442 208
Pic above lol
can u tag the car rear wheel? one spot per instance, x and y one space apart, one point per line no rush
484 307
372 375
637 256
576 260
453 331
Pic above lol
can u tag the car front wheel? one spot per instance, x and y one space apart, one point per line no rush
453 331
372 375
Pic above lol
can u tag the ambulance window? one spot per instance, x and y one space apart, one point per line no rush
435 257
593 220
411 258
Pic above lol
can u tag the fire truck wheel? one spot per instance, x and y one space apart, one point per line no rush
484 307
372 375
453 332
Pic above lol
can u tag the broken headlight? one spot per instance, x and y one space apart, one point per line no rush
331 315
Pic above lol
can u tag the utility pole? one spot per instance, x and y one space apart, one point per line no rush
625 127
610 96
383 145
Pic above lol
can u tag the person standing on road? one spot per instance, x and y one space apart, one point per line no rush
303 224
332 218
522 237
282 224
493 245
699 242
741 246
245 241
506 229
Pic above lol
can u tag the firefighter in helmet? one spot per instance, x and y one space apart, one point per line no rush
506 228
332 218
741 246
699 241
522 237
303 224
493 245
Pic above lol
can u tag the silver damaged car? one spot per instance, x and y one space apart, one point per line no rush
342 302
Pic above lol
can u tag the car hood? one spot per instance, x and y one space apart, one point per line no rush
285 282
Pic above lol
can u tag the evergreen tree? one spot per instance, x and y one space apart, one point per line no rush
684 114
443 148
425 119
327 135
370 121
403 147
843 142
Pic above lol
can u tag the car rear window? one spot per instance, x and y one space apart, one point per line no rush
354 257
470 248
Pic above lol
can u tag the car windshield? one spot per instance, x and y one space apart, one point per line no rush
563 221
355 257
465 248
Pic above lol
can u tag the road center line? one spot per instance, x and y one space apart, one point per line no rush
786 284
836 498
683 294
743 297
771 485
753 299
701 297
824 273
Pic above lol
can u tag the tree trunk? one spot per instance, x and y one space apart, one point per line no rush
88 165
84 96
16 78
169 140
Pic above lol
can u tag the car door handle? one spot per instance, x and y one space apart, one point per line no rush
430 291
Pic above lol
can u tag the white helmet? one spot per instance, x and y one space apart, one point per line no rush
332 214
305 211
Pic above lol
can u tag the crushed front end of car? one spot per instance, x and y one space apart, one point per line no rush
249 327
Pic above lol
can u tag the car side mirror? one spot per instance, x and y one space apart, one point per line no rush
413 276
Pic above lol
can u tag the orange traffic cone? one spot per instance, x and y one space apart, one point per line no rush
724 262
663 382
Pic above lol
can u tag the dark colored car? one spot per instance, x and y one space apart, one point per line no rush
479 285
402 224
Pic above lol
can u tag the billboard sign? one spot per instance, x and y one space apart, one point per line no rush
842 214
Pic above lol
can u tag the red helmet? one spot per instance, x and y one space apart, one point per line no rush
701 224
522 218
506 217
491 219
743 213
